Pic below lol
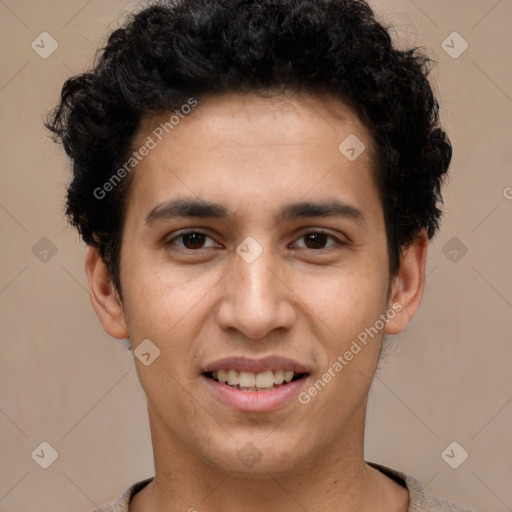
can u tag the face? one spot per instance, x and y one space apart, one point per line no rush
255 251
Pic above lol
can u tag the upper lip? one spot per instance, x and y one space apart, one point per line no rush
256 365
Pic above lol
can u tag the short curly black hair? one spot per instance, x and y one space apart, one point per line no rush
173 50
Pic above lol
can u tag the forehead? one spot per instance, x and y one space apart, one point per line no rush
254 149
247 119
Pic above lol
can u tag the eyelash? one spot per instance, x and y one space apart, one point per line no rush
318 231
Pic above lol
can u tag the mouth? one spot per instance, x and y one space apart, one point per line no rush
257 385
255 382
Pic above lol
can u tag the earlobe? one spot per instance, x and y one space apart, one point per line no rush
408 285
103 295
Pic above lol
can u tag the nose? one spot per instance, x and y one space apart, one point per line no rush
256 299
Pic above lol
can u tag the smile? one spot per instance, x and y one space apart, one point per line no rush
251 381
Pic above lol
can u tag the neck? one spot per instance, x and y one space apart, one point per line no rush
337 479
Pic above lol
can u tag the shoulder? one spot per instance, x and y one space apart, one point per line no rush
122 502
420 499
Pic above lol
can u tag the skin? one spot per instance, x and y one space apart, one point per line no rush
304 301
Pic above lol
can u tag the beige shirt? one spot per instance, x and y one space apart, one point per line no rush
420 500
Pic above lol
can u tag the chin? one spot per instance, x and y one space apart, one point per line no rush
256 456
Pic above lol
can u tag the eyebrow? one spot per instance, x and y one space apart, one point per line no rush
192 207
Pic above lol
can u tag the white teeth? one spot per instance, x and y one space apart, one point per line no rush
247 379
250 381
278 376
265 379
288 375
232 377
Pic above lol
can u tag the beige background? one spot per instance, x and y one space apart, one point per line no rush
65 382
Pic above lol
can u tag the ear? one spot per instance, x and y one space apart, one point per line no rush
103 295
408 285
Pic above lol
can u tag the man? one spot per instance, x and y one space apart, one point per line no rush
257 182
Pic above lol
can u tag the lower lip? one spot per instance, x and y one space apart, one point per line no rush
255 401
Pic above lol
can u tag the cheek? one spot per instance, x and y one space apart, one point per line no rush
345 302
160 297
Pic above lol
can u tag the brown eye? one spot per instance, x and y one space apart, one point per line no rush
191 240
317 240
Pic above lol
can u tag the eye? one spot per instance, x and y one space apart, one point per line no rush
192 240
315 240
196 240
